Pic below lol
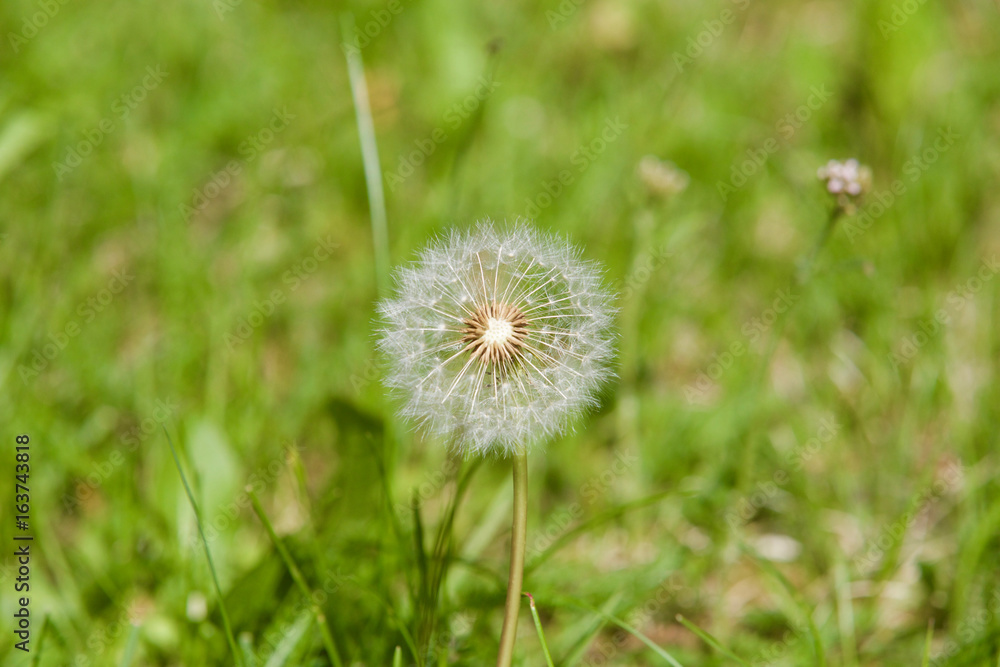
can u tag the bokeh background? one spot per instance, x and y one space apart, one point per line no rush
798 457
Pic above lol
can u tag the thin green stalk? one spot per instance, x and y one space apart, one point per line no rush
324 629
369 155
395 619
635 632
518 538
806 267
41 641
538 628
237 656
441 558
131 646
796 597
927 644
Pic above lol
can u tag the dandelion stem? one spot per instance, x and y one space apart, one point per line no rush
518 537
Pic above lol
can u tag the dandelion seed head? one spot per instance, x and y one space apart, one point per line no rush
497 338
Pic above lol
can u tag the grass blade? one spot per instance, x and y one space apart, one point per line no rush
293 569
710 640
635 632
249 656
538 628
927 644
394 617
440 561
369 155
237 656
130 647
283 651
577 637
41 639
796 597
585 526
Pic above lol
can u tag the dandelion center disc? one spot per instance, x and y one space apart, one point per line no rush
495 335
498 332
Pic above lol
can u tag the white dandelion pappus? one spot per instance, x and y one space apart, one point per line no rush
497 338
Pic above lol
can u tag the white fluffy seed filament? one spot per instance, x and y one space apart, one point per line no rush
495 334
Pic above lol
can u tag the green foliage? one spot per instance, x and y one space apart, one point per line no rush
800 461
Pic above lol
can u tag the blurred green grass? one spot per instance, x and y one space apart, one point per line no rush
235 334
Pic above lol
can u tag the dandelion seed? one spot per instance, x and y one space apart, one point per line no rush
497 338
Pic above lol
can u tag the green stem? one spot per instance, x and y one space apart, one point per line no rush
806 267
518 538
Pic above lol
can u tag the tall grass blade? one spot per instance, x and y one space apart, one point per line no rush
293 569
237 656
369 155
538 629
710 640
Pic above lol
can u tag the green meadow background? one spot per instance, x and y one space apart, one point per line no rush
799 459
